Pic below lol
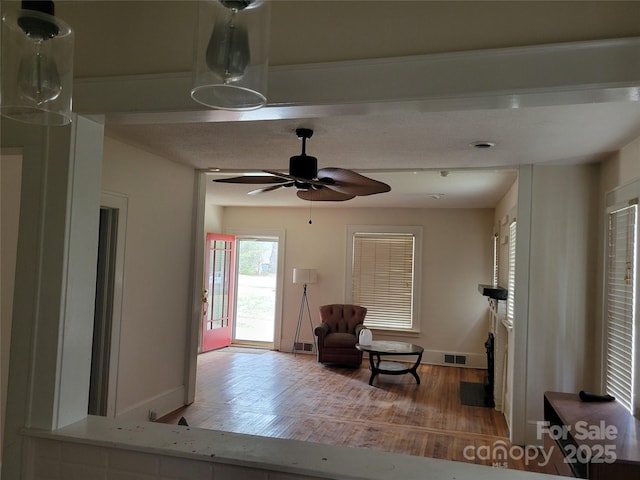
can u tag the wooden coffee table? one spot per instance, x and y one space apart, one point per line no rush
379 348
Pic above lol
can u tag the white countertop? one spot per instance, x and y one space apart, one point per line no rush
288 456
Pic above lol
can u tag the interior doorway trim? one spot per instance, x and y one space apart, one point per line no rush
119 202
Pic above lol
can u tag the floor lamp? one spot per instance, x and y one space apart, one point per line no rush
304 276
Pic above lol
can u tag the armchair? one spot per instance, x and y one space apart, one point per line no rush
338 334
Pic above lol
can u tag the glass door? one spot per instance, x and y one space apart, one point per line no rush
257 271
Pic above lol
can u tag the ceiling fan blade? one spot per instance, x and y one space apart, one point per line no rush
252 179
269 189
324 195
327 184
293 178
348 181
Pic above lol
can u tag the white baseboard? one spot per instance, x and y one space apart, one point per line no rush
433 357
506 410
161 404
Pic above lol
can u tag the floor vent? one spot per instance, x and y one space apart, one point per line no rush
455 359
303 347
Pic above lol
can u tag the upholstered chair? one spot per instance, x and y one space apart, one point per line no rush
338 334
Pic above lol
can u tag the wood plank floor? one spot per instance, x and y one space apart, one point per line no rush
274 394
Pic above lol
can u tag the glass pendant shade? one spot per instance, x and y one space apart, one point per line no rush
231 54
37 68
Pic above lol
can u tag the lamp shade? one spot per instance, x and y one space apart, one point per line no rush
305 275
231 51
37 68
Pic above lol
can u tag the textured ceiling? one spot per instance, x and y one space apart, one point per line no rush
565 134
408 142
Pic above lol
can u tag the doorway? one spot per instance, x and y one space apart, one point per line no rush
108 305
256 293
101 350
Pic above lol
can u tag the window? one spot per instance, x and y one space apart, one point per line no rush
511 282
620 315
382 275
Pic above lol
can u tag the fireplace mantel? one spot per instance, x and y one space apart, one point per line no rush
497 293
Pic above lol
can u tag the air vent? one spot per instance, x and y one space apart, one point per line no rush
303 347
453 359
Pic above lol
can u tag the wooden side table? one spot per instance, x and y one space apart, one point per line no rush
595 440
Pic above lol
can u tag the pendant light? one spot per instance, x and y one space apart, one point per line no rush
37 65
231 54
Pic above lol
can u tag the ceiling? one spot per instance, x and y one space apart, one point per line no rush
406 150
407 147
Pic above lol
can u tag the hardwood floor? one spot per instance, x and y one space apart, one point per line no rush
275 394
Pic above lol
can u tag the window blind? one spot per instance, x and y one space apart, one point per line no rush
383 278
511 282
620 283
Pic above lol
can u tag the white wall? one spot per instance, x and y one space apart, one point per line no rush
562 284
213 219
457 252
10 178
622 167
157 277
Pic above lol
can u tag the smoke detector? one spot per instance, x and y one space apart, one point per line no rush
483 144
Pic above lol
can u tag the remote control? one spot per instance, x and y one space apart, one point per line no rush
594 397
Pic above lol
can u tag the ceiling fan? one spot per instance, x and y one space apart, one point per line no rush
327 184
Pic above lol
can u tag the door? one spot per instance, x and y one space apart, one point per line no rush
256 290
217 299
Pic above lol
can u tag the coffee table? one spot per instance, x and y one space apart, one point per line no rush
380 348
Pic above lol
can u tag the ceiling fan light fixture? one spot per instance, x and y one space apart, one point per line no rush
37 65
231 54
303 165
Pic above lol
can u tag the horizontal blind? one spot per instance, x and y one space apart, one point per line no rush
620 303
382 276
511 282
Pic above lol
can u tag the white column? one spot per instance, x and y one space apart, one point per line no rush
55 279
